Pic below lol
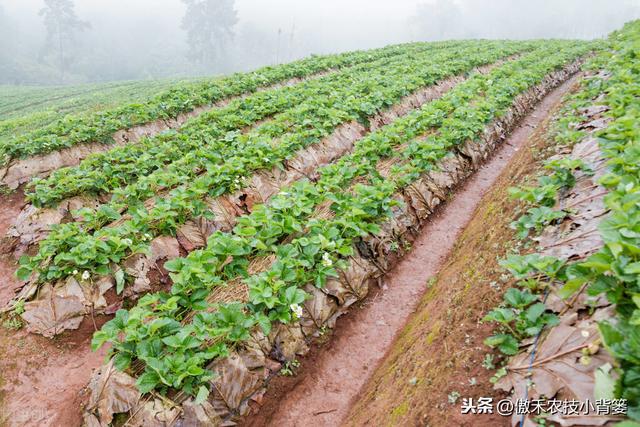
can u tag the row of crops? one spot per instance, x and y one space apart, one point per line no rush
309 231
224 162
26 109
100 126
607 105
217 131
19 166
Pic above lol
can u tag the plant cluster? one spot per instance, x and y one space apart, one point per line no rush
522 315
316 248
542 197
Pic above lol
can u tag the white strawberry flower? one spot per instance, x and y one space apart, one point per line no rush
296 309
326 260
75 272
85 275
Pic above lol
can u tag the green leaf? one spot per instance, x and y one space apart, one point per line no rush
203 393
604 383
174 265
102 270
519 299
506 343
23 273
611 336
500 315
122 361
509 346
615 248
99 338
195 371
109 212
264 322
633 268
147 381
172 341
159 323
119 276
293 295
534 312
570 287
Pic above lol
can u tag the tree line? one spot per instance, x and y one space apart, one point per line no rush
208 24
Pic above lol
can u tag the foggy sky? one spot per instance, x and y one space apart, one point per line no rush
144 33
338 24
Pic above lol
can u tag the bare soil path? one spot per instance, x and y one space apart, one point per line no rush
10 206
41 379
332 377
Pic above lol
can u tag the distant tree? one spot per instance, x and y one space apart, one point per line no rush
62 26
209 25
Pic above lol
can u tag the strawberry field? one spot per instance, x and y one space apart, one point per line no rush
209 234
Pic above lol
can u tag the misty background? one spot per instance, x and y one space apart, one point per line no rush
52 42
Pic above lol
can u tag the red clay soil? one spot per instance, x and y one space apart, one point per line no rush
10 206
41 379
332 378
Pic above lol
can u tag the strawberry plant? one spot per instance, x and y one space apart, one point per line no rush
521 316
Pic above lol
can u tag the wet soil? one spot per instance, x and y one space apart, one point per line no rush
41 380
440 351
10 206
